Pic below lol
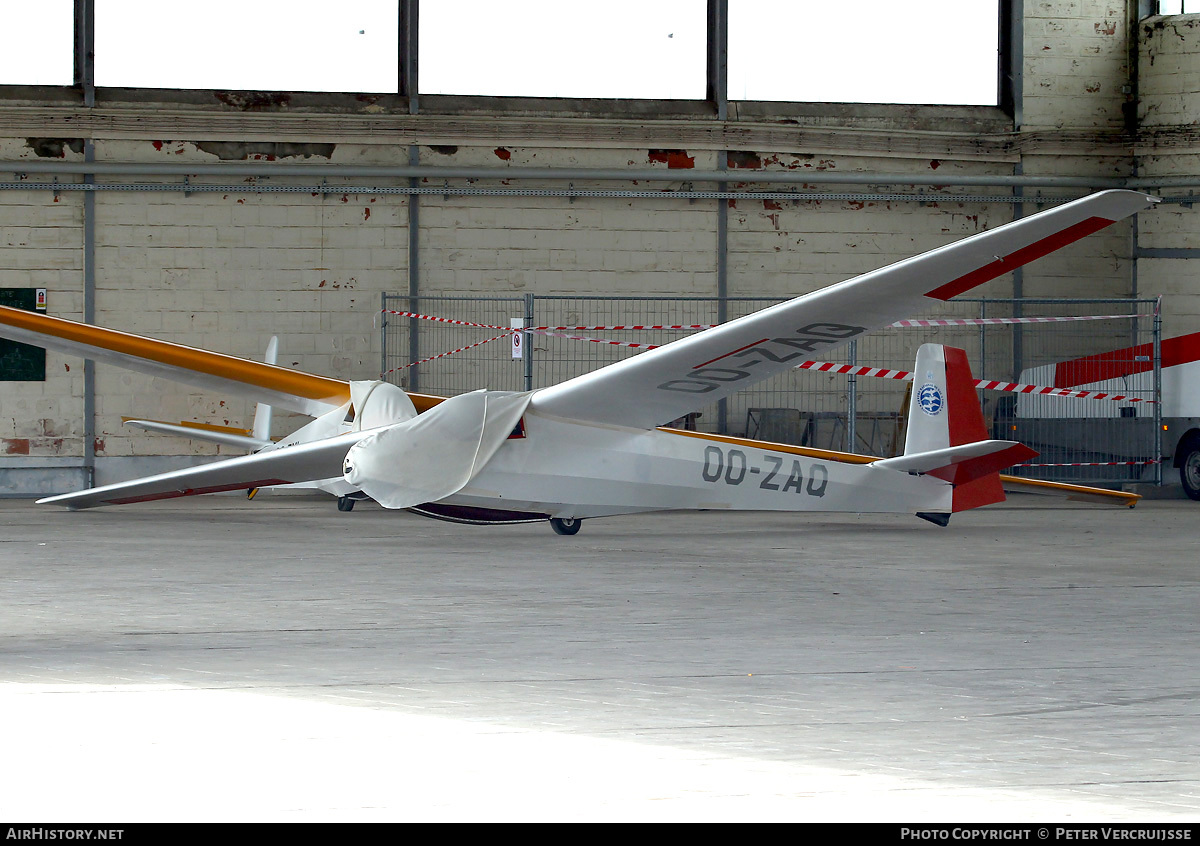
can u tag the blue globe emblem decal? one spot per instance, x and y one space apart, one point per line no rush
930 399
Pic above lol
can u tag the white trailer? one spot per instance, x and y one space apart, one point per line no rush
1120 429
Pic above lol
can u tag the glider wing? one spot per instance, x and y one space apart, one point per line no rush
301 463
278 386
660 385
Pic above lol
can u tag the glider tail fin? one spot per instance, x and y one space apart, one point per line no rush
262 412
943 410
947 437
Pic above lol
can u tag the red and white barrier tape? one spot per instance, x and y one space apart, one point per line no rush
853 370
618 328
1094 463
545 330
591 340
823 366
992 321
899 324
985 384
1015 388
445 320
443 355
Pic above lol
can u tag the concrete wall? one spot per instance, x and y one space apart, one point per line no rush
1076 64
1169 148
227 270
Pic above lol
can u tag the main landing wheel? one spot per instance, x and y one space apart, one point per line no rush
345 503
565 526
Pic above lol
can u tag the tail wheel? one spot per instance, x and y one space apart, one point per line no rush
1189 466
565 525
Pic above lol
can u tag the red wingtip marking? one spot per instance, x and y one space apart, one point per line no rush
1022 256
261 483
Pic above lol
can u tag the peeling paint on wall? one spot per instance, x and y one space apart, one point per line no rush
744 159
54 148
254 101
789 161
180 147
240 151
672 158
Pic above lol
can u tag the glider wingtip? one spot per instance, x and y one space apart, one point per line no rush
1122 202
57 500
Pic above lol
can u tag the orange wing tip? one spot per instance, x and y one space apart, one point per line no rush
1076 493
268 376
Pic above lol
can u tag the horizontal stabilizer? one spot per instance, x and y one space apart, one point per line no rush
961 464
301 463
216 435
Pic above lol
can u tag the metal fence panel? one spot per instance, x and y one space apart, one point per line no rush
1089 440
449 358
1079 439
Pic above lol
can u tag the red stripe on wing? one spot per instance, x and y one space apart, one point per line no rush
240 486
1009 263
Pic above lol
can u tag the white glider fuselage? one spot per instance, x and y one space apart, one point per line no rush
571 469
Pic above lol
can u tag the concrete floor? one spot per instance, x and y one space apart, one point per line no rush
217 659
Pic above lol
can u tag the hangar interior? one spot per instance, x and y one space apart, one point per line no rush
211 659
219 218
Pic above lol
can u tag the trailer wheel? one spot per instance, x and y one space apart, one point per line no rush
565 525
1189 466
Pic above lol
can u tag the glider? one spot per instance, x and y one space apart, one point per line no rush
592 446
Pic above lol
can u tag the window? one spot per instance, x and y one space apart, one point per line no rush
305 45
867 51
1178 7
39 43
550 48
